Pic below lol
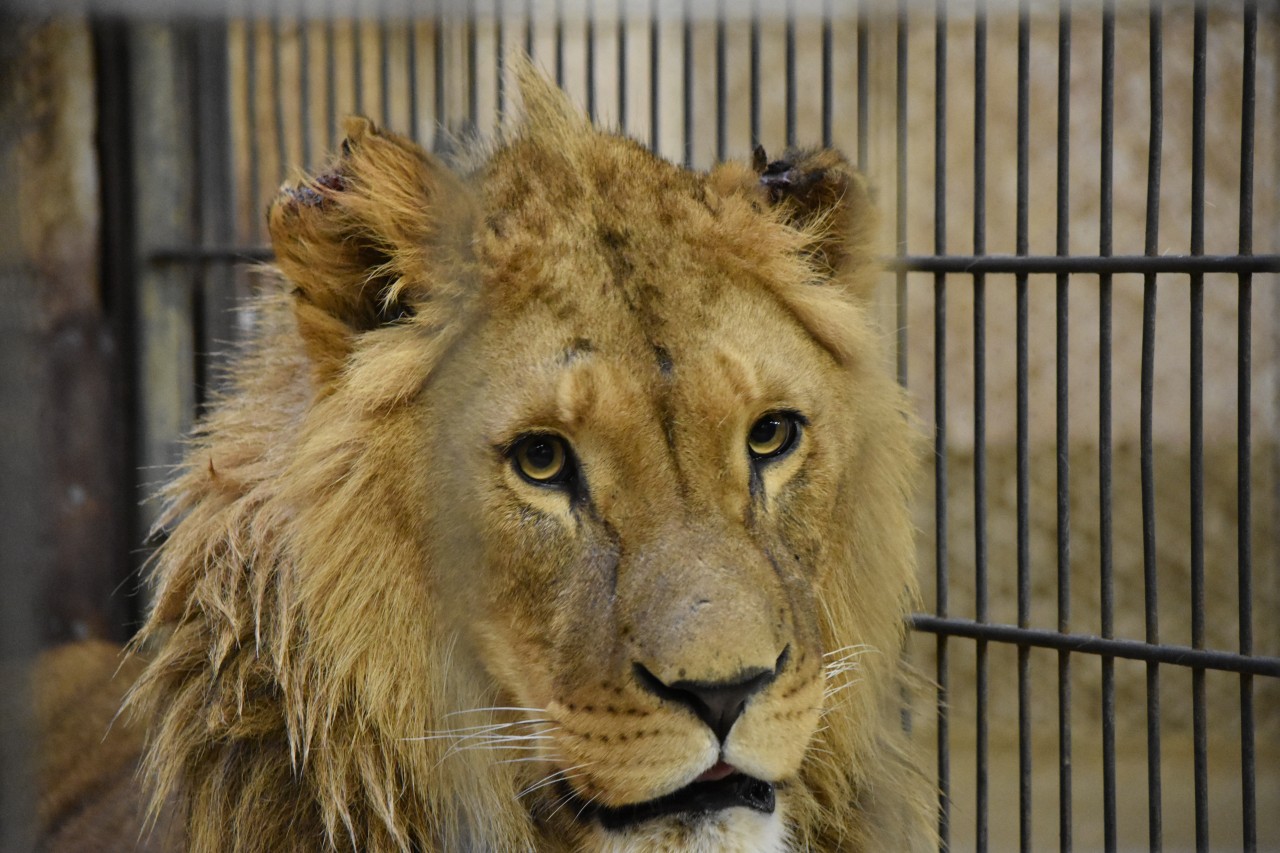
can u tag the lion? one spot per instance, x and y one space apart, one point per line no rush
558 505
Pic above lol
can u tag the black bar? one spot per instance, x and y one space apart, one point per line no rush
528 28
980 414
473 90
1062 438
437 45
357 62
384 72
1151 652
864 73
900 231
251 122
412 61
940 414
827 95
1149 565
1069 264
1106 547
118 267
558 33
1244 462
330 86
755 75
500 39
653 76
789 72
277 79
1199 723
1023 498
591 61
722 87
304 88
686 81
622 65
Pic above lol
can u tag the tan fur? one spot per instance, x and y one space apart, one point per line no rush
357 582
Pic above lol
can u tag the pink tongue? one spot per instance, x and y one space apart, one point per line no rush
717 772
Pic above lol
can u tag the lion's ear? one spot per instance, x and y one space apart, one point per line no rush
379 235
819 193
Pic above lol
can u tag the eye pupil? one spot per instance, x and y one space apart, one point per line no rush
541 454
771 436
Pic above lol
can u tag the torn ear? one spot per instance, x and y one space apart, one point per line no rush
372 239
820 193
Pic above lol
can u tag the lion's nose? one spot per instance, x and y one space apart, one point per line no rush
716 703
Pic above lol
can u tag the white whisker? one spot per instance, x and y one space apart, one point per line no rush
844 686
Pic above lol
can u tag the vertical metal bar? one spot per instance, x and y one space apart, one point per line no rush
789 72
622 65
357 63
528 28
473 90
900 295
1023 475
754 40
1199 723
412 60
251 123
500 39
214 176
1154 816
940 412
591 61
864 131
282 148
559 38
330 85
654 77
1244 461
722 78
686 81
980 409
827 95
304 89
437 47
1107 592
1063 437
384 72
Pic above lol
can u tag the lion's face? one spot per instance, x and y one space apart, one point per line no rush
633 493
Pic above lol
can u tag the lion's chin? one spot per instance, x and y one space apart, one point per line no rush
734 829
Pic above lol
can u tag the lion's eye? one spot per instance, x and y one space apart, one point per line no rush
772 435
542 459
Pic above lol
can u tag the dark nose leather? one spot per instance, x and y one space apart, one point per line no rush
719 704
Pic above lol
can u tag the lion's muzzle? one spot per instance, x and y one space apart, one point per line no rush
716 703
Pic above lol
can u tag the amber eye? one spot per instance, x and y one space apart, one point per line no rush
772 435
542 459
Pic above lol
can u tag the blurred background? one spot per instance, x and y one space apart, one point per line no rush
1081 233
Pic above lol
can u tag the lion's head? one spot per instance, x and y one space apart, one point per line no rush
562 505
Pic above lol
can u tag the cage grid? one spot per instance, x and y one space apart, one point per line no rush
256 97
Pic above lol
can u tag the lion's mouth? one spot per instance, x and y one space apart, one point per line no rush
714 793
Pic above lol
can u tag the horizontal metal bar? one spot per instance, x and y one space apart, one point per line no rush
911 263
1086 263
1089 644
